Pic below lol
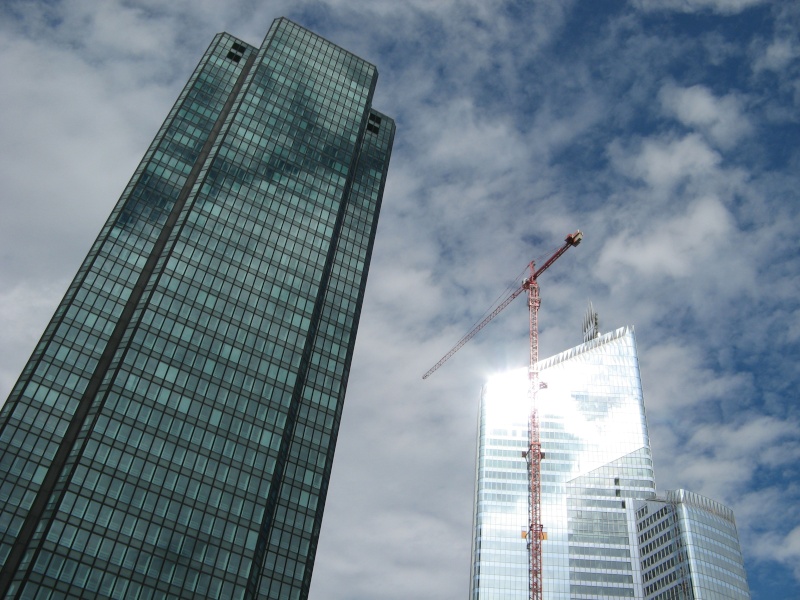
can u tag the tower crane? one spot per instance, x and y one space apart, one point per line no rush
534 453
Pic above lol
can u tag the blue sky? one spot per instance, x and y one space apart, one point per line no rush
665 129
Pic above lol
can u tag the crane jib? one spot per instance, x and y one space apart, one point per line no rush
572 239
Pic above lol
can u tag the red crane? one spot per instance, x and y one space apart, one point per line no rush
534 453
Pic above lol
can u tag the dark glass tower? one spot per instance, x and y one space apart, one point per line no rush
173 432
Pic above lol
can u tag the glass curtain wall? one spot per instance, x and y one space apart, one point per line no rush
173 432
690 549
597 458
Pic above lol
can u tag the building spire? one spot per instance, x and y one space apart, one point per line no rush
591 324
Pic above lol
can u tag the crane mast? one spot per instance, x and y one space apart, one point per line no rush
534 453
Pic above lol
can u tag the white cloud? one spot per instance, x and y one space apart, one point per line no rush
680 376
776 56
725 7
663 163
751 439
781 546
463 140
672 248
719 460
723 120
24 312
764 518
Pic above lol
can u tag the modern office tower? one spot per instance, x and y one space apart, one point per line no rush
597 458
607 534
173 432
689 549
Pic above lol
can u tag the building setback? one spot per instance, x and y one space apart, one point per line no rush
690 549
597 469
173 432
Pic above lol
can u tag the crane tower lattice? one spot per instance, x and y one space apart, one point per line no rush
534 453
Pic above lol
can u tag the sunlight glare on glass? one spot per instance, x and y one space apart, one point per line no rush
507 393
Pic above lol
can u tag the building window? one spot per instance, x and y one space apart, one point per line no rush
374 123
236 52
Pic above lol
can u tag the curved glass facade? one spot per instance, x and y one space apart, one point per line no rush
690 549
594 433
597 458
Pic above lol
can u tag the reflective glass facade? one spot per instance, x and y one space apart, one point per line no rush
173 432
607 534
499 550
597 459
690 549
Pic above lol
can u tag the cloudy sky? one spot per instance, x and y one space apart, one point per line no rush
667 130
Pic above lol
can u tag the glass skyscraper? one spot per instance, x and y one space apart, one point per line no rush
596 472
172 434
597 457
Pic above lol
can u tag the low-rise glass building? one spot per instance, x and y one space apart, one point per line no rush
689 549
